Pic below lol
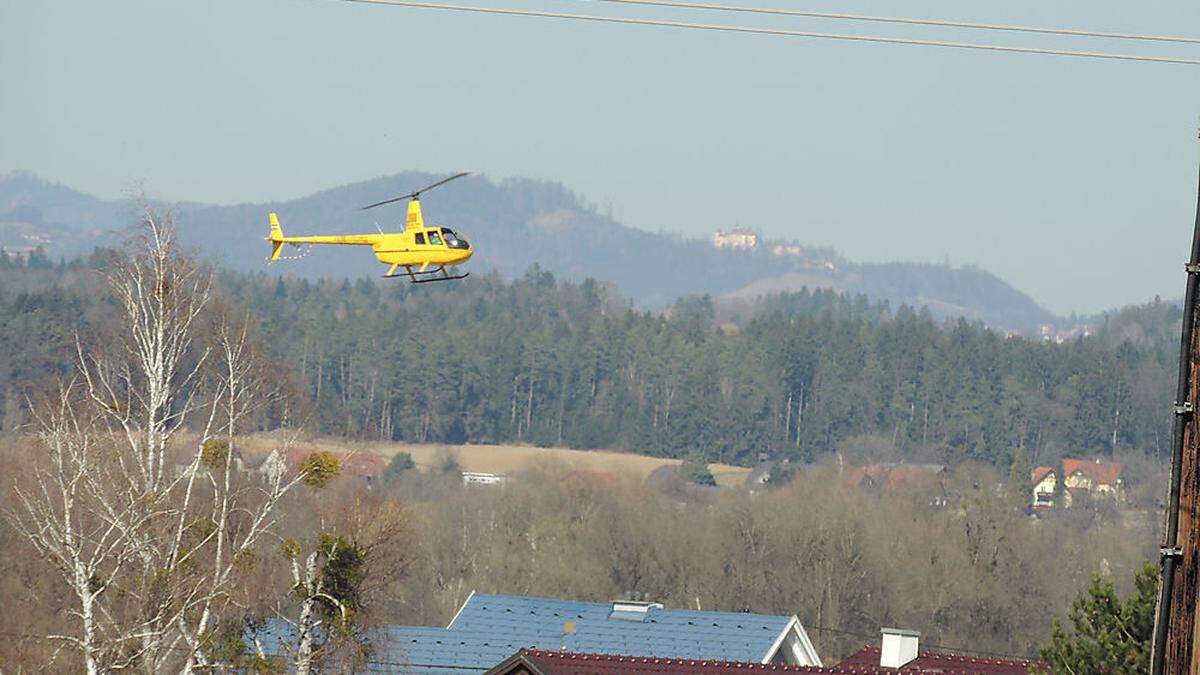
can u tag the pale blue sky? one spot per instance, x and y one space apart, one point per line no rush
1073 179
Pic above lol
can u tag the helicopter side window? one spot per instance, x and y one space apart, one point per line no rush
435 238
420 237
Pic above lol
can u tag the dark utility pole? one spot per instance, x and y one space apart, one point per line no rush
1175 619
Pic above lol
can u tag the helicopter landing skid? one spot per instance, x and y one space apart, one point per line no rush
431 276
425 281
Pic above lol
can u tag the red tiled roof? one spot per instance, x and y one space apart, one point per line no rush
864 662
944 663
892 475
1040 473
354 464
568 663
1104 473
902 475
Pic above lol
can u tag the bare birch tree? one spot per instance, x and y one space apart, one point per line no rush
151 555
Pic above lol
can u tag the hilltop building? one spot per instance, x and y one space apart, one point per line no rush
1051 333
737 238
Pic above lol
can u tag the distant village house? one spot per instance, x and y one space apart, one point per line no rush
892 475
1097 478
365 466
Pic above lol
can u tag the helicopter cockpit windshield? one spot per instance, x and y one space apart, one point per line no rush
453 240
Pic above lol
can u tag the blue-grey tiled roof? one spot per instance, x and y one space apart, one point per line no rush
490 628
418 649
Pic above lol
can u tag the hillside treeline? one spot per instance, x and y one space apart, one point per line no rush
552 363
975 574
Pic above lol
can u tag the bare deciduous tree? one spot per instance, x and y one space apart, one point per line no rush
152 555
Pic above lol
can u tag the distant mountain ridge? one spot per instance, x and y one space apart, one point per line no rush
513 224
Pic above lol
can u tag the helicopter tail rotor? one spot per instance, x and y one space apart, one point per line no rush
276 237
417 194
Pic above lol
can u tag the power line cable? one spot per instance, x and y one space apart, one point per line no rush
944 23
777 31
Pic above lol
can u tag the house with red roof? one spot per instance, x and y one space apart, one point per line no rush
363 465
1095 477
897 475
898 652
875 660
547 662
1045 482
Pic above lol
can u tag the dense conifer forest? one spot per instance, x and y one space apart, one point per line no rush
547 362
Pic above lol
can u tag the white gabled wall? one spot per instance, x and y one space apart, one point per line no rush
460 609
793 647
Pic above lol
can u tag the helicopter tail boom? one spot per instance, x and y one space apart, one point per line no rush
276 237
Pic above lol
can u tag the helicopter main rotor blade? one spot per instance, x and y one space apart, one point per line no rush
416 194
441 182
388 201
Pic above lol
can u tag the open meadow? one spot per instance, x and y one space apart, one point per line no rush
506 459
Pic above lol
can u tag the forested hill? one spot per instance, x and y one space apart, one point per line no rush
550 362
513 225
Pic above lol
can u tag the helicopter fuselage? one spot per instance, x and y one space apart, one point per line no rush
434 245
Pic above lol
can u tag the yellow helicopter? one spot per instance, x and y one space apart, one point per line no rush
423 252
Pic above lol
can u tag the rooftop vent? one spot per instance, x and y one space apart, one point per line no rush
632 610
899 647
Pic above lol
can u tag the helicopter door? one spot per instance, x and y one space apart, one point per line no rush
435 238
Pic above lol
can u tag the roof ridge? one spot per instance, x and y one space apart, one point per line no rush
661 660
959 656
478 597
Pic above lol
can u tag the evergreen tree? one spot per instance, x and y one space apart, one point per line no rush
695 470
1020 479
1109 635
397 466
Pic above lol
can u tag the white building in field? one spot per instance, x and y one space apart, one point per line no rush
481 478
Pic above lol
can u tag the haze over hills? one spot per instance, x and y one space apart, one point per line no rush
513 224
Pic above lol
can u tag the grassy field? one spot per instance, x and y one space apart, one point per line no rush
511 458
